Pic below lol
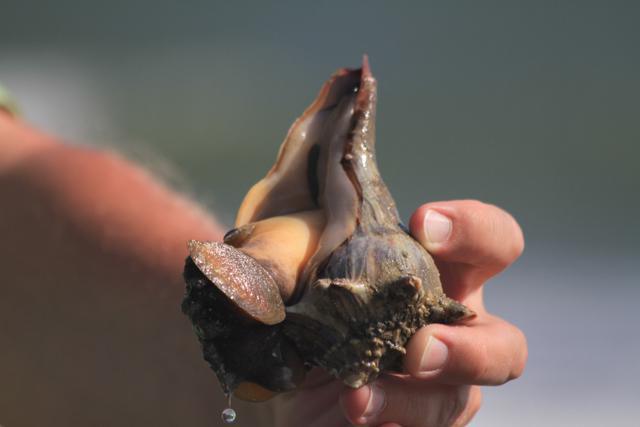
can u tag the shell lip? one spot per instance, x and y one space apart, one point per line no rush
339 85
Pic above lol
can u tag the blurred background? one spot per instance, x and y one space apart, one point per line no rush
532 106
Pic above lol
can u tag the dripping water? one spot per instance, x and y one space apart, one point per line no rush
229 414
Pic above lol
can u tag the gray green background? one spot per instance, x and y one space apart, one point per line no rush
533 106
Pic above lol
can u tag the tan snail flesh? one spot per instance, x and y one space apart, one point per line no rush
319 270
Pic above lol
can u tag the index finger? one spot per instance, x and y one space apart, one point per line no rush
486 351
470 241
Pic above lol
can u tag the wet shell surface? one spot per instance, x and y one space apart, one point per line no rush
319 270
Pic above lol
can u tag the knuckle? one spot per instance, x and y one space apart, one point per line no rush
499 237
475 403
417 407
455 410
476 205
472 408
494 361
508 231
521 355
517 239
476 215
458 404
478 370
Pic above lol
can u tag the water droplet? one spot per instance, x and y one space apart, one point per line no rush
229 415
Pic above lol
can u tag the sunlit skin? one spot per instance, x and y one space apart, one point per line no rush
91 257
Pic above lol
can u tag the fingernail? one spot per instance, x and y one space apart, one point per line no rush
434 356
376 402
437 227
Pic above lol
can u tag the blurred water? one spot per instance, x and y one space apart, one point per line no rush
577 311
533 107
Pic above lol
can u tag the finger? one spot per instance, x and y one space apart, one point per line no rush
331 417
485 351
314 404
408 402
469 232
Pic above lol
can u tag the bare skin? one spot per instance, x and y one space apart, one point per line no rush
91 333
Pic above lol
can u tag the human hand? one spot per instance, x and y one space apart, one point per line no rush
130 232
471 242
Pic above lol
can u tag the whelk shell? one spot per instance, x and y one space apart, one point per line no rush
319 270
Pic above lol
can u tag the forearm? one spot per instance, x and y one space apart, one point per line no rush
91 254
98 194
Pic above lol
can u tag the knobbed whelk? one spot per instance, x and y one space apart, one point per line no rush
319 270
